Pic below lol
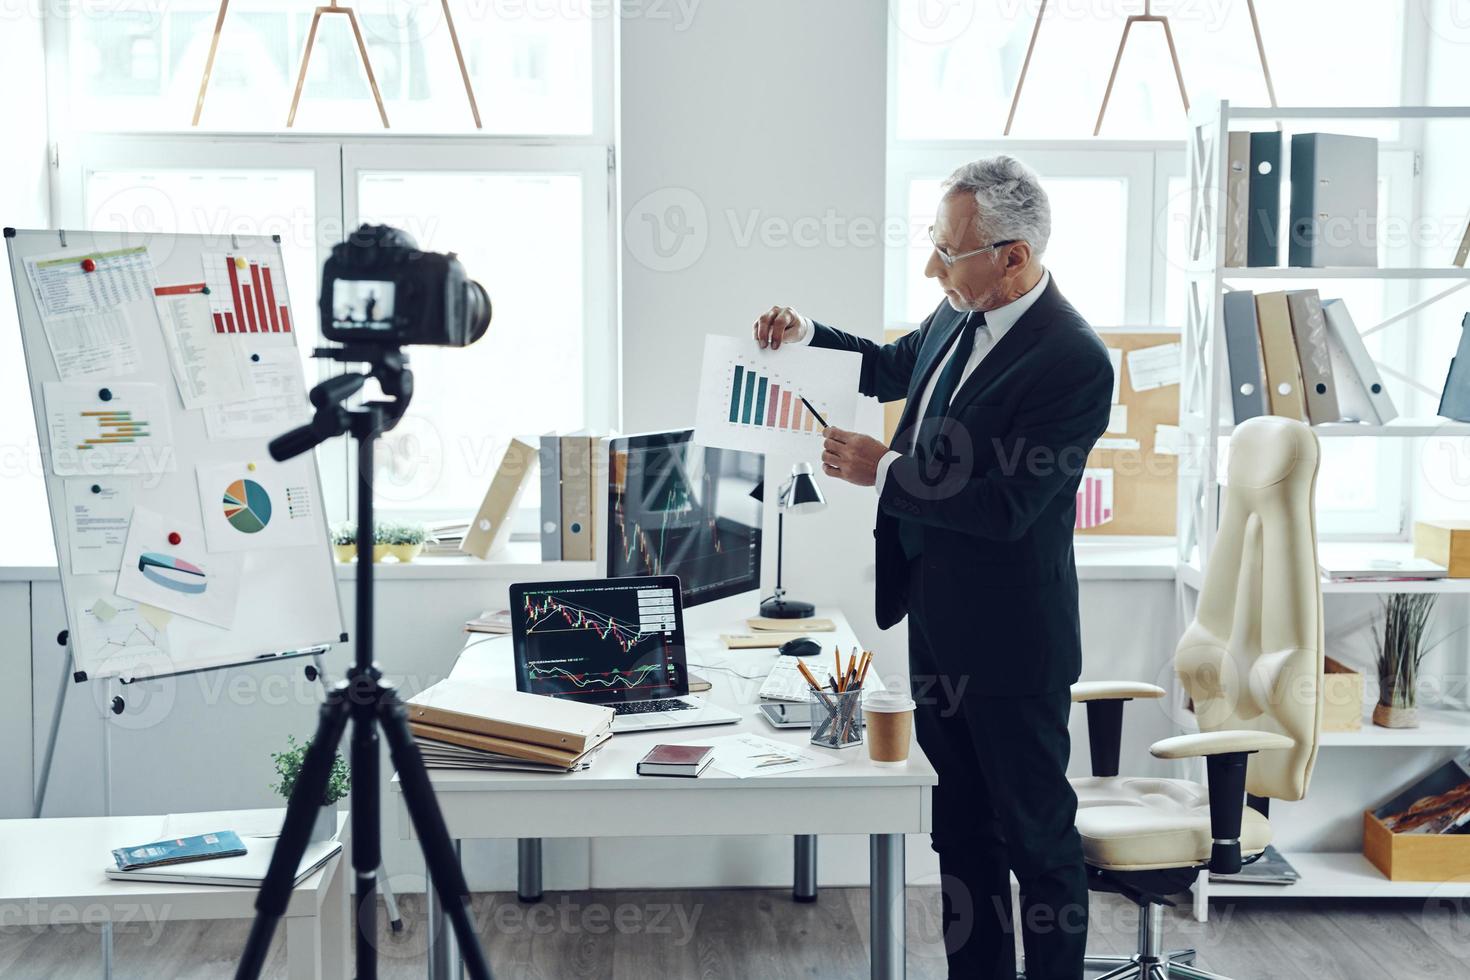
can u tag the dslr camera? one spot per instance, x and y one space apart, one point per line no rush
378 288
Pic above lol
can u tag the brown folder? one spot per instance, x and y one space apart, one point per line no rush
477 708
504 746
1278 348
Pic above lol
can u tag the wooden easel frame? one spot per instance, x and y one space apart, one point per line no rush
316 17
1148 16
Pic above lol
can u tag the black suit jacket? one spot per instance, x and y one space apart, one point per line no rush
1000 582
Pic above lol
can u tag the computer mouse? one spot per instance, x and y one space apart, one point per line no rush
801 647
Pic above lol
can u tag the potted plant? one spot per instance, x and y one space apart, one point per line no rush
344 541
1401 650
404 541
288 767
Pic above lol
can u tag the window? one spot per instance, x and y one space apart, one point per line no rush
1120 202
529 218
532 63
953 55
529 234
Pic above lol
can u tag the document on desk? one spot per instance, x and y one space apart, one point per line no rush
765 401
746 755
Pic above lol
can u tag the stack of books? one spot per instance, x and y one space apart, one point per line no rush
1374 562
445 537
489 622
464 724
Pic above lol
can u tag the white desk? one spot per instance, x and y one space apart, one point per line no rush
612 800
51 873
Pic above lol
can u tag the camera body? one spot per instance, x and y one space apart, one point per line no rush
378 287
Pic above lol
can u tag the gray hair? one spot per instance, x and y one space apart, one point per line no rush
1012 202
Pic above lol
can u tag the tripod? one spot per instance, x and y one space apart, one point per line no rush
364 698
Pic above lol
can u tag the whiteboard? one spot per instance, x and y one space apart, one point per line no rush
181 544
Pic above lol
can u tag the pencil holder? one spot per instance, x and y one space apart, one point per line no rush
837 719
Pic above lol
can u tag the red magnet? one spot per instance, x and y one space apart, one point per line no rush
174 538
88 265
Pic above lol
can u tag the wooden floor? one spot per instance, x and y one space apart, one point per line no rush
762 934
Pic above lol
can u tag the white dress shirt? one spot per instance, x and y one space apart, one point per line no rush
998 323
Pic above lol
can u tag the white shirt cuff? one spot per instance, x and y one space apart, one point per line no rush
883 465
807 331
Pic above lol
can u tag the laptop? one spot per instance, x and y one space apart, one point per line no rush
616 642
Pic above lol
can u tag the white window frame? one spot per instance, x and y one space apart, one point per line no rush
335 159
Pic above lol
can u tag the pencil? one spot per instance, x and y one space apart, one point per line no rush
863 670
837 667
808 675
815 414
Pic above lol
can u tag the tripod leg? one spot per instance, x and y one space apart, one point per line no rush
395 920
440 853
301 813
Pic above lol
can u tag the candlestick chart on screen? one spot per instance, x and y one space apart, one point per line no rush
592 642
685 511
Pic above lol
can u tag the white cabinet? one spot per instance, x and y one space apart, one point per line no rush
16 768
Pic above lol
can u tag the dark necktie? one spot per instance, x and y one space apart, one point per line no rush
931 443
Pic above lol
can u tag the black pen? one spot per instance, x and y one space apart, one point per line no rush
815 414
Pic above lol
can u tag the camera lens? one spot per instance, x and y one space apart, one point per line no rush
477 311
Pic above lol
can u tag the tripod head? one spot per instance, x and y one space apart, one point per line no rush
389 365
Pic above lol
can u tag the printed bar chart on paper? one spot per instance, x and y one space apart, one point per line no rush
120 428
757 400
243 296
1094 498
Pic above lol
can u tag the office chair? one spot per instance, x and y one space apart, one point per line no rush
1251 661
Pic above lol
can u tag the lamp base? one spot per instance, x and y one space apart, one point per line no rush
787 609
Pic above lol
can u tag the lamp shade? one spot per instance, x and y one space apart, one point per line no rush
803 495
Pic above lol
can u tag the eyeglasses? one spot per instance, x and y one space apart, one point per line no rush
950 260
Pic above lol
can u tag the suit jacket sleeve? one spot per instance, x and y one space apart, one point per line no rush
1046 447
887 368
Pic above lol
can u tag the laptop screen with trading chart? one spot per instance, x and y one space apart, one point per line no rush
677 508
601 640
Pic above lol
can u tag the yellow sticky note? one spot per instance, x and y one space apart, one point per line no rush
103 610
158 618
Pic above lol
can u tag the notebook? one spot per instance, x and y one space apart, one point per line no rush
246 871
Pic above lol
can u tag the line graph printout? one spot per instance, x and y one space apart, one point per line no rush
763 400
600 641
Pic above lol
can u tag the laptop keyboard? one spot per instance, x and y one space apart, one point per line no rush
658 704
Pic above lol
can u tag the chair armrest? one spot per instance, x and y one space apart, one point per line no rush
1225 755
1105 700
1218 743
1084 691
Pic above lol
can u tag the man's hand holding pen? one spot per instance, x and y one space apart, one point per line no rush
851 456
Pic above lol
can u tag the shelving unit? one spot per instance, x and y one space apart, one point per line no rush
1340 874
1206 419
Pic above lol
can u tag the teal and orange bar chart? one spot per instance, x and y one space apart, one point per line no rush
758 400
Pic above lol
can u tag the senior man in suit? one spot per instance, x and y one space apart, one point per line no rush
1008 389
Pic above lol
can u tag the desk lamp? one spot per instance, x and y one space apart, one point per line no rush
798 495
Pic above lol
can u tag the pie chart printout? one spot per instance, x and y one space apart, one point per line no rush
247 506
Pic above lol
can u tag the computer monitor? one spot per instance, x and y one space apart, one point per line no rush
599 641
677 508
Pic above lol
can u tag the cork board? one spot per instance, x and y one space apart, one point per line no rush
1144 480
